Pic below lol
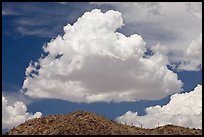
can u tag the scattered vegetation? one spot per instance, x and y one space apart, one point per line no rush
88 123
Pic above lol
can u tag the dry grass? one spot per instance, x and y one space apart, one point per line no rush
87 123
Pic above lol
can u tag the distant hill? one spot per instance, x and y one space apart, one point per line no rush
88 123
4 131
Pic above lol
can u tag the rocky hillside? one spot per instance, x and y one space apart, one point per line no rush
87 123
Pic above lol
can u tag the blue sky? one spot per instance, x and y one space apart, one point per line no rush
27 26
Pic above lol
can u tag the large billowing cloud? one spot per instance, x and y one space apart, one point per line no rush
183 109
193 56
15 113
93 62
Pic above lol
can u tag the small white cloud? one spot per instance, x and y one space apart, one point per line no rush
93 62
7 12
3 12
15 113
193 56
183 109
63 3
160 48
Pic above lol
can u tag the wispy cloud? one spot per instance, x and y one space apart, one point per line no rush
29 31
41 19
63 3
9 12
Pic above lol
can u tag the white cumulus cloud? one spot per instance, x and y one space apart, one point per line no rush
15 113
93 62
183 109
